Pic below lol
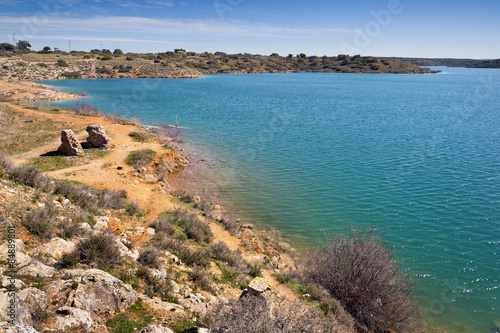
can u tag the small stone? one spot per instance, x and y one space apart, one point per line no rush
149 231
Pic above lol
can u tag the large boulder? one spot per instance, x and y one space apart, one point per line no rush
100 293
29 304
70 319
36 268
258 286
164 310
69 144
97 136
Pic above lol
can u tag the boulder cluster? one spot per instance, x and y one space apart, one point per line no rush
70 145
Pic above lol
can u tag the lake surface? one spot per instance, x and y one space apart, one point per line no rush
416 156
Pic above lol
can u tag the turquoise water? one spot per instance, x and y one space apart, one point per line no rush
416 156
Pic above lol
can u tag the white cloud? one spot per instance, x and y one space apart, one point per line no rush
10 3
120 25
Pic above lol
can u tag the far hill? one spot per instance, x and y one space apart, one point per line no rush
487 64
47 65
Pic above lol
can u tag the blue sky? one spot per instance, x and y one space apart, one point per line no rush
408 28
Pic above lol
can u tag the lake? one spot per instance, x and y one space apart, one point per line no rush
415 156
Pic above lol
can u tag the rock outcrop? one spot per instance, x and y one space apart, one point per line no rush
69 144
99 293
97 136
55 248
70 319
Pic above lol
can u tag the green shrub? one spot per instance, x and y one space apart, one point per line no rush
140 158
140 136
62 63
107 57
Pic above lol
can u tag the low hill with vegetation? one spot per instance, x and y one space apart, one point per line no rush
50 65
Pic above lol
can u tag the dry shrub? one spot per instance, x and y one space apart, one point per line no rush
99 250
360 272
31 176
189 256
86 109
41 221
194 228
167 134
258 314
163 225
149 256
221 251
201 278
111 199
80 195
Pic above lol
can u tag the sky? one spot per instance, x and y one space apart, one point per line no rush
402 28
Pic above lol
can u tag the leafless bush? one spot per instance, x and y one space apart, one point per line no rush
41 221
86 109
99 250
5 162
362 274
163 225
258 314
148 256
31 176
82 93
111 199
167 134
69 229
80 195
222 252
133 208
201 278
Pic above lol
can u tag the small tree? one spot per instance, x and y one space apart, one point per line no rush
23 45
46 48
6 47
117 51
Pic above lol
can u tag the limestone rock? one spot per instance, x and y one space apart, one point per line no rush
97 136
156 329
18 247
100 293
70 319
70 144
36 268
27 302
101 223
55 248
124 250
150 231
163 309
258 286
7 328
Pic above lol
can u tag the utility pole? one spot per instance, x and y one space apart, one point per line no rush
69 45
14 39
101 47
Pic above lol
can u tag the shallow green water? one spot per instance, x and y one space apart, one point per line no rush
417 156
